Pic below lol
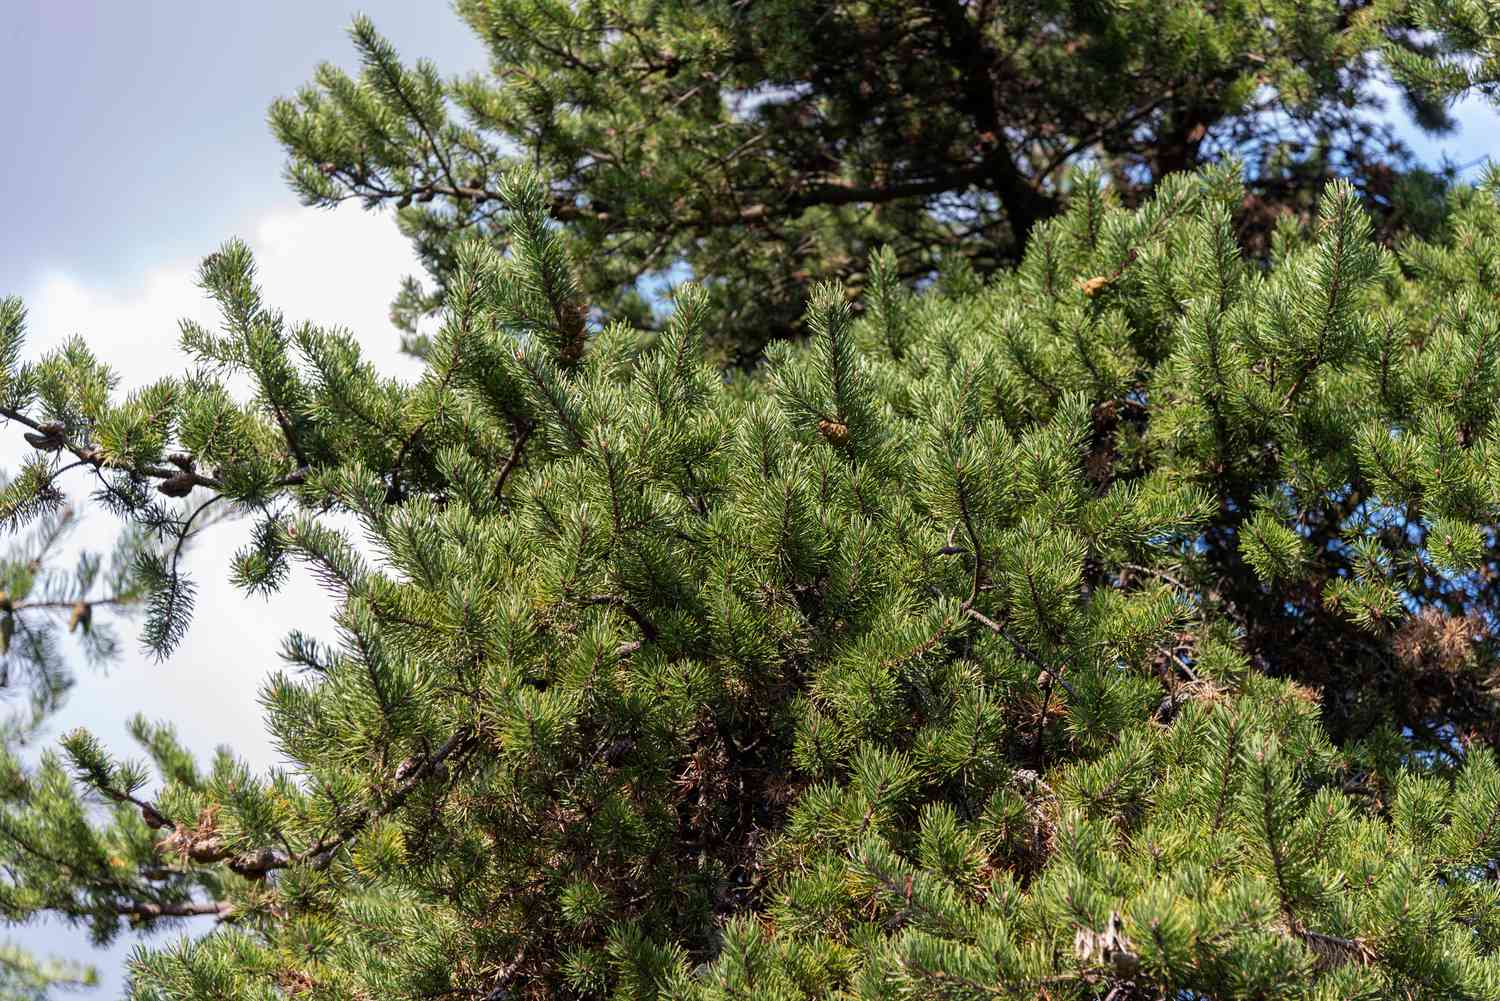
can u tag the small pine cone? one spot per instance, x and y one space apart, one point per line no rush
182 461
7 630
177 486
1091 287
406 769
253 864
153 820
48 438
327 169
295 983
836 432
83 615
1043 679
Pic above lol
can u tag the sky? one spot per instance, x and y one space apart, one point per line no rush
135 144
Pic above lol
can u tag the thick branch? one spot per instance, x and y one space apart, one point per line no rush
186 909
968 50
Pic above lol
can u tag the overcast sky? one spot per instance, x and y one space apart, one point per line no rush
136 143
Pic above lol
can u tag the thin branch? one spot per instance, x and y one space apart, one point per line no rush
92 457
513 459
614 600
256 864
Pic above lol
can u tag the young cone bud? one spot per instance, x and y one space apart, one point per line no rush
177 486
1091 287
836 432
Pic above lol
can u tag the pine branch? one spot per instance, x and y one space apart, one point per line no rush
186 909
615 601
514 459
257 864
92 457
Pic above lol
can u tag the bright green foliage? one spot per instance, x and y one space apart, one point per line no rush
1117 627
763 147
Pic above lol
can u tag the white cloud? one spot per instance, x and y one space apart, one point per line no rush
336 268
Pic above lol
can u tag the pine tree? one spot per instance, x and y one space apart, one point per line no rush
1119 625
1460 53
763 147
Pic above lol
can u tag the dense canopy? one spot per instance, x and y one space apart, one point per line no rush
763 146
1097 601
1121 624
